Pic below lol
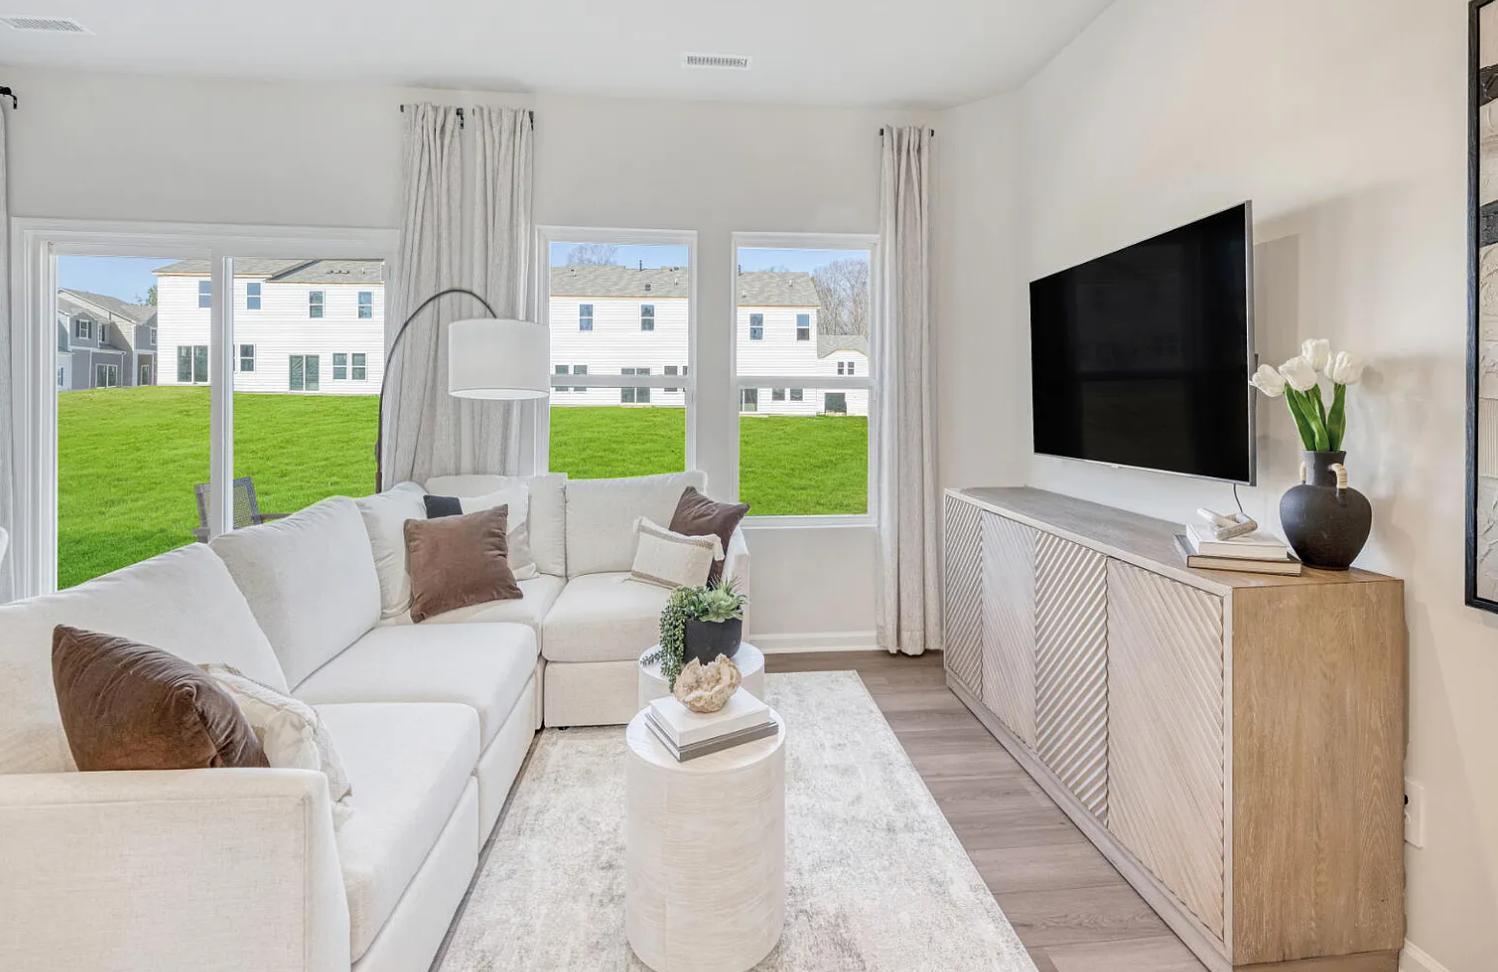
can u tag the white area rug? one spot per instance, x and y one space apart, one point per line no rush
875 878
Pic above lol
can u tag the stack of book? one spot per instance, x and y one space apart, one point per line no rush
1257 553
688 735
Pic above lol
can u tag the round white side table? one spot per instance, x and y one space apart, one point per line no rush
750 660
704 853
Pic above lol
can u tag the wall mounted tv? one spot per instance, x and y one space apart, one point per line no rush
1141 358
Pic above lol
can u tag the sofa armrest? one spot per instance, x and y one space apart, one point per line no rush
145 871
736 567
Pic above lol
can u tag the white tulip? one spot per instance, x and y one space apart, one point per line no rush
1346 368
1268 381
1318 351
1299 374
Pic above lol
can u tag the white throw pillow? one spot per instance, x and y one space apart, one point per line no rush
385 515
290 731
517 524
673 560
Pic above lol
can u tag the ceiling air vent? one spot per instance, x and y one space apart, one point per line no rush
60 25
727 62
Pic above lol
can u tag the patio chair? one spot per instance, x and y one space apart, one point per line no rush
246 507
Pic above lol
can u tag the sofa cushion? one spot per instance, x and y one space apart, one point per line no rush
697 515
408 765
310 580
183 602
603 617
547 514
482 666
459 561
601 517
385 515
540 593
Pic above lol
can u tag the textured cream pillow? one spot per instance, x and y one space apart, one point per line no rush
672 560
290 731
517 497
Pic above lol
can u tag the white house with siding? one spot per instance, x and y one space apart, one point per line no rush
300 326
612 320
104 342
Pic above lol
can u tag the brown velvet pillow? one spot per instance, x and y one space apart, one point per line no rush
455 561
127 706
698 516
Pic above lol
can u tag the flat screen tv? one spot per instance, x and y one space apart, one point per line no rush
1141 358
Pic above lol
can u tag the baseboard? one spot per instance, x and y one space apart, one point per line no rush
1416 959
777 644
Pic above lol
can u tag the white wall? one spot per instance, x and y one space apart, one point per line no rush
244 152
1344 122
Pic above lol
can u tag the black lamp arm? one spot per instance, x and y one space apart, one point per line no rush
390 357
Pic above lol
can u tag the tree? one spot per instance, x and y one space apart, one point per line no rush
150 296
594 255
843 290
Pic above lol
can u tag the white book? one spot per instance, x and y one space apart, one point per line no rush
687 728
1250 546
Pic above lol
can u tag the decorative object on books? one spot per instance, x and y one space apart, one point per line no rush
706 688
1325 521
651 684
702 623
1226 526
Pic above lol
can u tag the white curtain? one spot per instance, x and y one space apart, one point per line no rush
479 239
8 440
909 606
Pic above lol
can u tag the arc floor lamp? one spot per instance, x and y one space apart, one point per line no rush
491 358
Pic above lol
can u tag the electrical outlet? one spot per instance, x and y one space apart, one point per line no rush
1414 813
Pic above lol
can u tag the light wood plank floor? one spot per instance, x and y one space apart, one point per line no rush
1071 908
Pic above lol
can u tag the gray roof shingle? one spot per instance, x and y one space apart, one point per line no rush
288 271
73 302
830 343
611 281
777 288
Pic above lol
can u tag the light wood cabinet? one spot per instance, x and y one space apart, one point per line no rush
1232 742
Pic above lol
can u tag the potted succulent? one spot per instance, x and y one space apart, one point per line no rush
701 623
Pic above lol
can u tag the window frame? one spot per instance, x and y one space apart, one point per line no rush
205 292
317 305
548 234
253 291
246 357
358 366
644 317
803 327
364 309
37 242
581 317
854 242
337 365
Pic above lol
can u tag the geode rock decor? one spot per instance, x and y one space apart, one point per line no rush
707 688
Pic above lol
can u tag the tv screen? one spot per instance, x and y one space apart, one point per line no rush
1142 357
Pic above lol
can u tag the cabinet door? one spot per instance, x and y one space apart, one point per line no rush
962 587
1009 624
1071 668
1166 746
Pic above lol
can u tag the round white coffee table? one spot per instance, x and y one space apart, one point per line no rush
704 853
750 660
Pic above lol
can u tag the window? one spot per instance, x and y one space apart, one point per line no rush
153 337
83 329
619 309
314 303
246 357
340 366
205 293
62 374
192 364
366 305
252 295
807 450
106 376
200 364
303 375
359 370
634 396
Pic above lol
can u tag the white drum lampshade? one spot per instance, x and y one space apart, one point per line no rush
498 359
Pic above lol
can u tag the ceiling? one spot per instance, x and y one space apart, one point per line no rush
918 53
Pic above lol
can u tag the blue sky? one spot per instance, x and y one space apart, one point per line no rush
127 278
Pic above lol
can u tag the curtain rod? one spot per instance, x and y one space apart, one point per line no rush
931 130
529 113
5 92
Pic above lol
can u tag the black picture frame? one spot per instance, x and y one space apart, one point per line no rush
1481 88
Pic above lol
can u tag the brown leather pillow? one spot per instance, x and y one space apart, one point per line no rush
698 516
455 561
127 706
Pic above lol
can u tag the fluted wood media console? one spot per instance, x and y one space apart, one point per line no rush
1233 742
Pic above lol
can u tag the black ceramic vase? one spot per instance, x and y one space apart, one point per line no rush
706 640
1326 523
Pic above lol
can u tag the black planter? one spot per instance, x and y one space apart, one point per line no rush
706 640
1326 526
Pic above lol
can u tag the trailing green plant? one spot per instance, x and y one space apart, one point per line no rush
716 603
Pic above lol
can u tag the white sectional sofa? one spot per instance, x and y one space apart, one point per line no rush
244 869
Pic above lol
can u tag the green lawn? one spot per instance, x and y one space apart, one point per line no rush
129 458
